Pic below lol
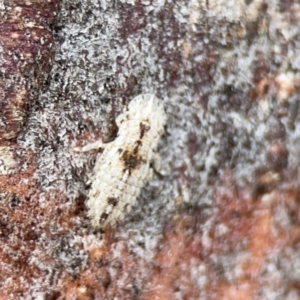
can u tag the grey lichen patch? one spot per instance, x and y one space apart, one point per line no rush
233 10
8 163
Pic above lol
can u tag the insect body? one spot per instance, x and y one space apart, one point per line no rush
125 164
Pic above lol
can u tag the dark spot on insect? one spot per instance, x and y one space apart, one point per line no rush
103 218
138 143
131 160
112 201
143 129
120 150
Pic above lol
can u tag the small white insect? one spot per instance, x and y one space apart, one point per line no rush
125 164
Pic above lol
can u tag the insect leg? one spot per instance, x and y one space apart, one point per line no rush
90 146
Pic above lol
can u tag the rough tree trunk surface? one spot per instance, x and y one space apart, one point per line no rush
223 223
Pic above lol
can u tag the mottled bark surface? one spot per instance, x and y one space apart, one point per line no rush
223 223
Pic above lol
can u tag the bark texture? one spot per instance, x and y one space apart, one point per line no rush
223 223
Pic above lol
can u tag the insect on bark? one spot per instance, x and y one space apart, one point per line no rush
124 166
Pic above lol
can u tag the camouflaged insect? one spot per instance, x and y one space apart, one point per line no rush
125 164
